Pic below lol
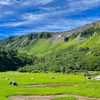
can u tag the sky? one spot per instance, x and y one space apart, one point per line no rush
19 17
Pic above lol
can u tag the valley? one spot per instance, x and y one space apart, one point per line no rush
51 65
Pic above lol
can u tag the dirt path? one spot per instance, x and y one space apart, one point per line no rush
45 97
44 85
50 97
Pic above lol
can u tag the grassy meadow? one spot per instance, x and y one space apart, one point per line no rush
43 84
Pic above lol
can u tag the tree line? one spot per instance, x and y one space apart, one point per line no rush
12 60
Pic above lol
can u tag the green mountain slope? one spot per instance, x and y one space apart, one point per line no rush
31 43
77 49
45 43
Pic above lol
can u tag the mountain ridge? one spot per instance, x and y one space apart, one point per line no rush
75 50
28 42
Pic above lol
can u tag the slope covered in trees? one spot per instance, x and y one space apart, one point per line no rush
11 60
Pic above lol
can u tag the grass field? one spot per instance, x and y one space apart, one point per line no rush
43 84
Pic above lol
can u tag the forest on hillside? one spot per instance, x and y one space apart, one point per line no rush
65 61
12 60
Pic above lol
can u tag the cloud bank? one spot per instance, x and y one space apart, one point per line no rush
25 16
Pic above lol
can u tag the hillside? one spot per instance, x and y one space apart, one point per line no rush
32 43
45 42
11 59
78 49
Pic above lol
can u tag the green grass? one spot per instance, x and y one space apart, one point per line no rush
92 42
43 47
65 98
63 84
61 45
37 47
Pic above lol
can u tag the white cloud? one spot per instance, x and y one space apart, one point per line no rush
70 7
61 25
5 35
82 5
27 19
65 25
47 17
68 24
25 2
14 24
35 2
7 2
8 12
32 16
55 26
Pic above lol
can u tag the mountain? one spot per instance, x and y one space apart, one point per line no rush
44 42
77 49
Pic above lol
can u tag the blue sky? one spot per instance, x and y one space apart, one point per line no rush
18 17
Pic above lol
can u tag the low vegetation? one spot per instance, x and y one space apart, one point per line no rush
43 84
11 59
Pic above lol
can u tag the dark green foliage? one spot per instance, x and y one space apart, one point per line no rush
55 62
73 36
45 35
12 60
97 30
63 70
88 32
66 39
74 61
83 49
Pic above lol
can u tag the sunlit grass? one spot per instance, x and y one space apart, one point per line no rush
68 84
